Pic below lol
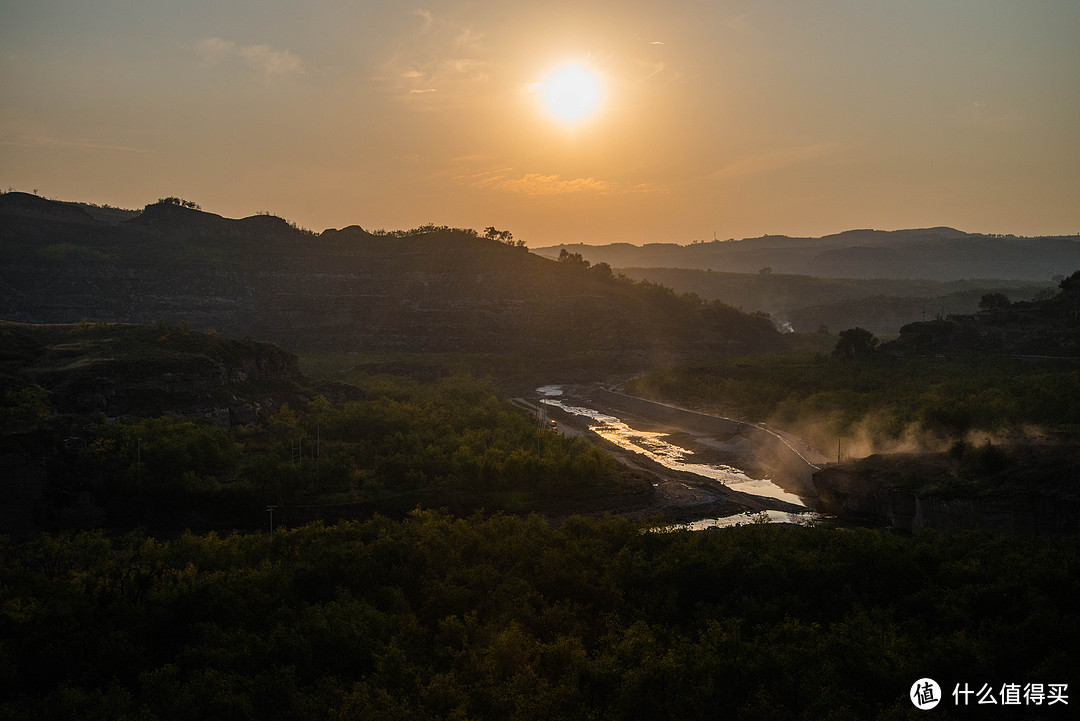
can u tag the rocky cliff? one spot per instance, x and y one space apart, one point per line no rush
917 492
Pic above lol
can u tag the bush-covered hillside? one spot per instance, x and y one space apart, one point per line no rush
506 618
434 289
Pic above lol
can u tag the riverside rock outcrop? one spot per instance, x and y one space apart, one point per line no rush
905 491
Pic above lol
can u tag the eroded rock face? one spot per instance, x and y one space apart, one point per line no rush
856 490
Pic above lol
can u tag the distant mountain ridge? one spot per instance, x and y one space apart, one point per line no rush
342 290
807 303
939 253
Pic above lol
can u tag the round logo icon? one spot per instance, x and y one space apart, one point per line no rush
925 694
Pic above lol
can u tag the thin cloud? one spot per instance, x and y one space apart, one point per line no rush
40 141
539 184
259 58
439 59
775 160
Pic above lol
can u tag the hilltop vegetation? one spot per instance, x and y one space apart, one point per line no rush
434 289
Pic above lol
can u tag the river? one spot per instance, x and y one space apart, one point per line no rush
654 446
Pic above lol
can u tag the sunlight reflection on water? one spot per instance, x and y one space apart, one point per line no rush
743 519
651 445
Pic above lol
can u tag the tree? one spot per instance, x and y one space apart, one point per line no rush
855 343
1070 283
566 256
503 236
601 269
173 200
994 301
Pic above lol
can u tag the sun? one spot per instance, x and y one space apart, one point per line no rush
571 94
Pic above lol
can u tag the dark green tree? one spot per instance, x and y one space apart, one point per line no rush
173 200
602 269
566 256
1070 283
994 301
855 343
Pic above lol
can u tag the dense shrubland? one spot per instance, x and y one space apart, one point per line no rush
452 439
505 617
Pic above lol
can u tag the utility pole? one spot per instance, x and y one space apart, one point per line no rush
270 510
138 463
837 450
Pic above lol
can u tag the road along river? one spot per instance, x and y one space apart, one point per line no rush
714 449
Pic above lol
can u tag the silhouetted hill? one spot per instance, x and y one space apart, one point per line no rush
930 253
343 290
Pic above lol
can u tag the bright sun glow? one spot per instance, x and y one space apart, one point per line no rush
571 94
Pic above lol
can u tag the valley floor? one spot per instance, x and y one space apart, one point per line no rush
713 443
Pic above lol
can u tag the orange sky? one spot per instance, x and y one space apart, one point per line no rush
801 117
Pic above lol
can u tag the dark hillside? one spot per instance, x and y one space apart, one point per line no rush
116 370
62 386
1046 327
162 427
806 303
343 290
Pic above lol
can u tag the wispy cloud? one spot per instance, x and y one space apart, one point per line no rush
259 58
539 184
777 159
438 59
41 141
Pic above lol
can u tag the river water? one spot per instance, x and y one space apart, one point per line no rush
653 446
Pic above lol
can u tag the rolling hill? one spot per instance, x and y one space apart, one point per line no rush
347 290
930 253
805 303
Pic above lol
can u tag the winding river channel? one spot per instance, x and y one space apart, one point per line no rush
654 446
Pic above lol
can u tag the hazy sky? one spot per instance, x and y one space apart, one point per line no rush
798 117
